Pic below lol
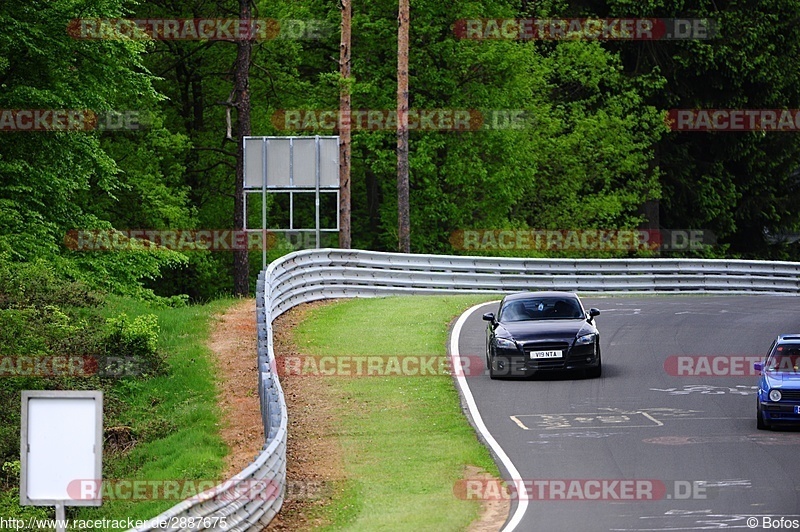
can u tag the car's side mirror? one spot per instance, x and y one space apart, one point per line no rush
593 312
489 316
758 366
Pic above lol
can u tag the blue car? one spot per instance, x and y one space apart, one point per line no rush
779 385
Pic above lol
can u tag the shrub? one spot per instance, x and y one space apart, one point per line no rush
136 341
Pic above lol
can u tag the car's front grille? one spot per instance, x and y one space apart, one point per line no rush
546 363
790 395
554 363
545 346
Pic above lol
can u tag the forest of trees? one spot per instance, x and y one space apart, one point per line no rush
594 149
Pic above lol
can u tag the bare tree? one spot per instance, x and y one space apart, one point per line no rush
403 216
241 101
344 127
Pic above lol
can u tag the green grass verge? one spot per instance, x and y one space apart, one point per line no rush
405 440
174 417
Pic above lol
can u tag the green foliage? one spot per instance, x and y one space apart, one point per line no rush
9 502
55 181
738 185
167 400
591 152
43 315
135 340
165 427
582 158
11 471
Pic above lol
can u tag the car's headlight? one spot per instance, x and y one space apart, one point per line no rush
585 339
774 395
504 343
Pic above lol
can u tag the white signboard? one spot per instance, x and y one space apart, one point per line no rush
291 162
61 446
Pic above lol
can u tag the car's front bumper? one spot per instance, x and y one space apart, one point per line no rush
518 363
780 412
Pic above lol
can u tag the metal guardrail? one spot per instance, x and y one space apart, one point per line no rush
312 275
250 499
319 274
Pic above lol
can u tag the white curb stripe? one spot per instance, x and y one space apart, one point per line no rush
522 503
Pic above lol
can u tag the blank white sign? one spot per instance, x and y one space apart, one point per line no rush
62 440
291 162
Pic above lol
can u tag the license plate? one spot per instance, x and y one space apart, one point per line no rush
545 354
797 409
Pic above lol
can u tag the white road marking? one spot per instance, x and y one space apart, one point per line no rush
697 520
585 434
708 389
654 420
630 311
518 422
595 420
729 483
522 505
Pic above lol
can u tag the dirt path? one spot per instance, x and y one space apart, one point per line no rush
314 460
233 340
315 466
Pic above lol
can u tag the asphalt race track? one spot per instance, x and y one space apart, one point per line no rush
683 447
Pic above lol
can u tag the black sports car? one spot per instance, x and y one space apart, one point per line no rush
542 331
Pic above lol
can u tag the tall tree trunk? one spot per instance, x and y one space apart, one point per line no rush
241 101
344 127
403 216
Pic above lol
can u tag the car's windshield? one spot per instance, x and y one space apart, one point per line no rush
784 360
548 308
